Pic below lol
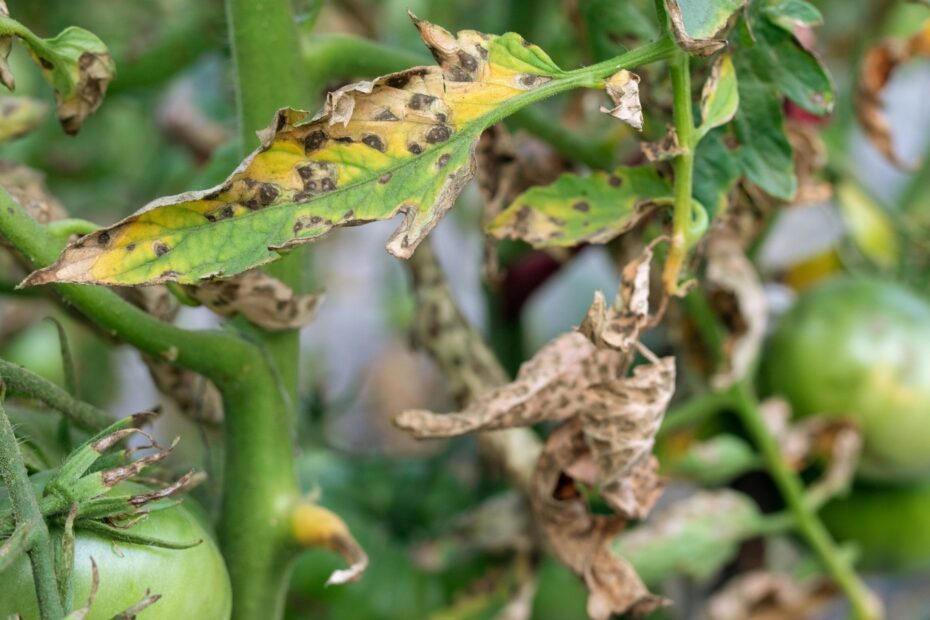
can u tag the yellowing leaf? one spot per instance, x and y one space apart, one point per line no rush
720 97
402 143
19 116
575 209
869 226
315 526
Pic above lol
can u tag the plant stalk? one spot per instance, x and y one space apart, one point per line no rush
26 511
260 480
683 166
864 605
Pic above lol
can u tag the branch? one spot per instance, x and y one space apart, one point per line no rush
864 605
26 513
22 382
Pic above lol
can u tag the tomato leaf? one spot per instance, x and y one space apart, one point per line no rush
402 143
609 23
869 226
576 209
76 63
789 14
716 169
696 23
720 96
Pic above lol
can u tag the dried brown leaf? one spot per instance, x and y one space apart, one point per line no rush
737 293
27 187
666 148
763 595
314 526
259 297
877 68
580 539
623 89
195 396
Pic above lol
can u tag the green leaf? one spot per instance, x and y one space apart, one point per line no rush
576 209
716 169
789 14
720 96
76 63
402 143
765 154
794 70
696 23
717 461
869 226
696 537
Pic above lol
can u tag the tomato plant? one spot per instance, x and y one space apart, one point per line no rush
695 157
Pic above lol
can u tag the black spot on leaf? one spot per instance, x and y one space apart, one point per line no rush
439 133
374 142
581 206
103 238
314 140
414 148
160 248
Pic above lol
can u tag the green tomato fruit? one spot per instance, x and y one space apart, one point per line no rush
193 582
861 348
890 525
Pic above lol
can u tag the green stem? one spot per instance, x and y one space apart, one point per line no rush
22 382
864 605
26 511
694 410
71 226
260 476
683 166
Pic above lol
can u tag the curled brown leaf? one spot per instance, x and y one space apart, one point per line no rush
665 148
259 297
764 595
623 89
877 68
315 526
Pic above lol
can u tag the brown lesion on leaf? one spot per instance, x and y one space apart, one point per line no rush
374 141
438 133
385 177
314 140
160 248
443 160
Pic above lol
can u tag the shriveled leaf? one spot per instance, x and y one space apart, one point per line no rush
195 396
576 209
737 292
696 23
763 595
784 61
262 299
623 89
877 68
554 384
765 154
76 63
580 539
869 226
696 536
404 147
789 14
665 148
720 97
19 116
315 526
27 187
81 612
716 170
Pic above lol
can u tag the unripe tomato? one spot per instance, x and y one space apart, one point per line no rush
193 583
861 348
890 525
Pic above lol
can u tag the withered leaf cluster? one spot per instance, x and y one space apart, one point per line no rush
610 420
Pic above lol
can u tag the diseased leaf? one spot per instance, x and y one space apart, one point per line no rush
789 14
401 144
764 595
877 68
716 169
623 89
720 96
19 116
735 288
696 536
27 187
262 299
666 148
76 63
765 154
576 209
195 396
315 526
869 226
580 539
696 23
